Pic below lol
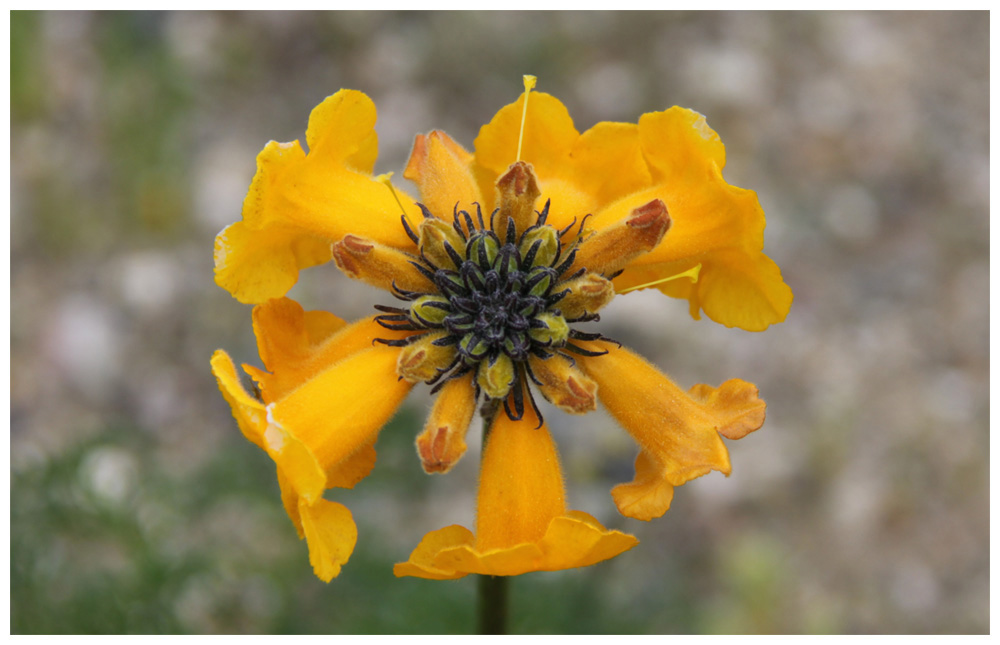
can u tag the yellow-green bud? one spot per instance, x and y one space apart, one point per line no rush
496 378
434 233
429 310
555 332
488 243
548 245
473 346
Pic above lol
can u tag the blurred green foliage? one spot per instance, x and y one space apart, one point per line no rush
94 559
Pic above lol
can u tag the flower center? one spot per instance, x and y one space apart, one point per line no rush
499 299
499 303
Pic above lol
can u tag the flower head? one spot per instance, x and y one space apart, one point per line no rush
499 268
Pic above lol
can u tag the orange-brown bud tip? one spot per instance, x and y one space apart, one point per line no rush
653 214
439 449
442 442
412 360
356 245
519 180
346 254
580 396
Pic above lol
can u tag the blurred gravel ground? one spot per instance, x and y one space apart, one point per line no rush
861 506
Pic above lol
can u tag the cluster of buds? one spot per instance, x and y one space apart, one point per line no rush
505 292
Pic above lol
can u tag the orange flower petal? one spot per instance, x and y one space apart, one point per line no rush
572 540
421 562
521 521
610 145
341 130
352 470
549 136
648 495
577 539
257 263
678 432
297 345
249 412
720 227
331 534
288 335
715 224
678 144
327 527
303 470
442 169
338 412
298 204
295 459
290 500
521 485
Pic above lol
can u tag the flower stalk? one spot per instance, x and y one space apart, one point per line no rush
492 617
491 590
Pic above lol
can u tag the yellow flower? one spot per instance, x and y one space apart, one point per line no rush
497 266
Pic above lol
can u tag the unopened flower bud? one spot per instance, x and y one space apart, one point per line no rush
588 294
563 385
517 191
429 310
611 248
483 249
473 346
545 242
495 378
422 360
554 332
378 264
442 443
434 234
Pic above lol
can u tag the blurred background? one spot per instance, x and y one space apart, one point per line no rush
862 505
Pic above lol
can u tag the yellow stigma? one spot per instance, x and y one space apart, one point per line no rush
384 180
529 84
691 273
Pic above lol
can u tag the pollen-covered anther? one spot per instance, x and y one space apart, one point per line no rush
422 360
496 376
378 265
587 295
563 385
613 247
517 191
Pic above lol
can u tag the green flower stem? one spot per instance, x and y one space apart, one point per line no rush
492 604
492 589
